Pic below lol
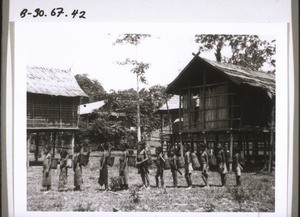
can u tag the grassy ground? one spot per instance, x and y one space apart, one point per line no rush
257 193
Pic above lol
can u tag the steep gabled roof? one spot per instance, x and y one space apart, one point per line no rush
54 82
237 74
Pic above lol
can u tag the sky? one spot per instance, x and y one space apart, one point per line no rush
88 48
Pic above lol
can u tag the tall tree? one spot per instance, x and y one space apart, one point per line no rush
138 69
150 100
246 50
92 88
134 39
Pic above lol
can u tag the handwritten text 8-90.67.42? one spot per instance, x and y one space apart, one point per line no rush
55 12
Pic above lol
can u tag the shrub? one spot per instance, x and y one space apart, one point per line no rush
209 206
134 195
83 207
115 183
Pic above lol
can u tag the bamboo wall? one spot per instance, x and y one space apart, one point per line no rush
211 107
45 111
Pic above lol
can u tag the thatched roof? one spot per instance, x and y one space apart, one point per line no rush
54 82
88 108
237 74
172 103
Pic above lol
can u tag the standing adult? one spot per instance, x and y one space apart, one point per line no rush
221 161
188 166
63 174
204 164
141 163
78 180
123 170
103 178
47 169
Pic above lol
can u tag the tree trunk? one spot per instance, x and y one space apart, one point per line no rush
218 53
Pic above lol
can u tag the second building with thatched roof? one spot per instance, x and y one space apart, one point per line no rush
223 103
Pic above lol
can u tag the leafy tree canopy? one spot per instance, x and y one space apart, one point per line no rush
134 39
246 50
118 115
92 88
139 68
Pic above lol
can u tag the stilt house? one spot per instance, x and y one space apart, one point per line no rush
224 103
53 96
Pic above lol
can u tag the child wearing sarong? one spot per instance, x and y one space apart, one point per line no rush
103 178
124 171
221 161
47 169
237 168
188 167
63 174
78 180
174 167
160 167
141 163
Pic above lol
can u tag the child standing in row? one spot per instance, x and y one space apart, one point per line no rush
124 171
47 169
237 168
78 181
222 163
174 166
204 164
160 166
63 175
103 178
141 163
188 166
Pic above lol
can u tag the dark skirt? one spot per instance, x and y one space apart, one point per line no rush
123 173
46 179
78 181
103 177
63 179
143 168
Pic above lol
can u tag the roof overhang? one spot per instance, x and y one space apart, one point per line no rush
191 76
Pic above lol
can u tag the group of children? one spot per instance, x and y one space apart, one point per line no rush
222 163
63 174
172 158
143 160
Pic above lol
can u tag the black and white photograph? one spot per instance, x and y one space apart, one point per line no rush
148 120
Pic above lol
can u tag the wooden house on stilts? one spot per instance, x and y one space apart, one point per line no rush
53 96
227 104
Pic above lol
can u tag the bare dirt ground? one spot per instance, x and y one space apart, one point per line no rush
257 193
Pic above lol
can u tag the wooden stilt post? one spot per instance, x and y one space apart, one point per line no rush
36 151
73 143
181 145
28 147
231 149
180 126
54 143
